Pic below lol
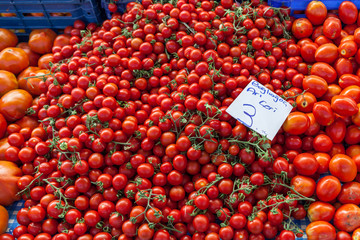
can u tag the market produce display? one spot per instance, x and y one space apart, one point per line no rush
120 131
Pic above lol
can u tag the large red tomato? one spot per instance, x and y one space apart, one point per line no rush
316 12
337 130
352 92
7 39
302 28
13 60
343 66
344 106
296 123
350 193
328 188
307 51
347 80
4 219
33 57
303 185
352 135
324 70
305 164
323 113
327 53
320 211
45 60
14 104
320 230
8 82
62 40
9 175
41 40
305 102
343 167
332 27
315 85
23 77
323 159
348 12
347 217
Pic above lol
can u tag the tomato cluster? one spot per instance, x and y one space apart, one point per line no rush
135 141
330 43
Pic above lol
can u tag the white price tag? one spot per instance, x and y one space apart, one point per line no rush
260 109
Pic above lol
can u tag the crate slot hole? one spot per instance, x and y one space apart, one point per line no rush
39 14
53 14
7 14
60 14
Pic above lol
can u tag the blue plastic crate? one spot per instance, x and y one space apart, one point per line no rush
121 6
298 6
22 22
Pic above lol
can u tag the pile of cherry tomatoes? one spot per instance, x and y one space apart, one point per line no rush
135 142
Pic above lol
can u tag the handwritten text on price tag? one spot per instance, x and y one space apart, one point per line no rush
260 109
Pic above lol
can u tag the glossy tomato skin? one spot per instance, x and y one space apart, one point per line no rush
348 12
323 113
337 130
305 164
303 185
41 40
350 193
7 39
324 70
343 167
327 53
342 235
344 106
323 159
14 104
302 28
296 123
352 92
315 85
319 230
33 57
321 211
332 27
322 143
307 52
347 49
354 152
333 90
4 217
347 217
23 76
316 12
328 188
347 80
8 82
13 60
305 102
352 135
343 66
